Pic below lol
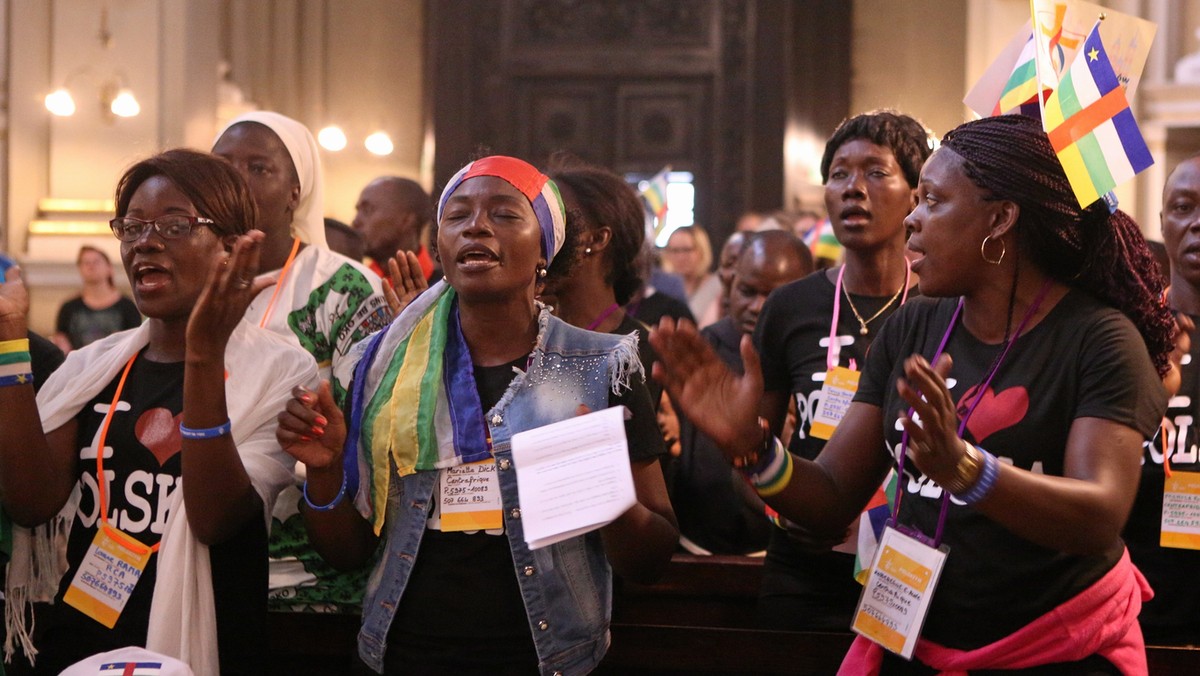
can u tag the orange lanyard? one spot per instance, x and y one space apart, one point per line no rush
279 284
125 540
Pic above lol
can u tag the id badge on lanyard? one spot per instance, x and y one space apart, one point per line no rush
899 589
469 497
1180 508
841 382
837 392
107 575
114 562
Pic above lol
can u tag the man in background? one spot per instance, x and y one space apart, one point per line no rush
718 513
393 214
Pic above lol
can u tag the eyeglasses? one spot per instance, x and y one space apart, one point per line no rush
173 226
679 249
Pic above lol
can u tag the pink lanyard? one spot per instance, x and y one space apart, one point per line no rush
833 353
962 425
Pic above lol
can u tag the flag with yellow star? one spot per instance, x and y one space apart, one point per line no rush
1092 127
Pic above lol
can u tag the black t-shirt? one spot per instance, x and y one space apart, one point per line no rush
84 325
705 489
45 357
1082 360
646 353
462 609
144 469
802 589
1171 616
657 305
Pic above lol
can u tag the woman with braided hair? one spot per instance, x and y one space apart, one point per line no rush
1013 398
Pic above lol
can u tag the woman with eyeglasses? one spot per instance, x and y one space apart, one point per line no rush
177 566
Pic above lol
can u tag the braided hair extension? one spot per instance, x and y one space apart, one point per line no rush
1103 253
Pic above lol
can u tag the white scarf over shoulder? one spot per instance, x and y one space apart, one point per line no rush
262 369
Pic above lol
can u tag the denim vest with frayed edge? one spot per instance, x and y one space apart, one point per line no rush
566 587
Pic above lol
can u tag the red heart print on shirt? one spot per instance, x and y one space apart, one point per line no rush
995 411
158 431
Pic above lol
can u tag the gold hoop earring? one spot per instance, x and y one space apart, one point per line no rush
983 250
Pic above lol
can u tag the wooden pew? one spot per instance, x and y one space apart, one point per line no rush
698 620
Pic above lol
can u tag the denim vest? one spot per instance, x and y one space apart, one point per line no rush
566 587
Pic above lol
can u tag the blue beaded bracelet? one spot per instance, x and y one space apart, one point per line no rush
987 479
205 432
336 501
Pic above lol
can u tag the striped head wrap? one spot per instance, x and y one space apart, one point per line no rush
541 192
414 405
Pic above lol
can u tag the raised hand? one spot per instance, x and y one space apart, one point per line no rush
312 429
14 302
232 285
933 442
405 281
719 402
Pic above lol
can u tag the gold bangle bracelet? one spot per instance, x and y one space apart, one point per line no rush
967 471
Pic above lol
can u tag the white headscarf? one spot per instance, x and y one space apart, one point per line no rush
308 220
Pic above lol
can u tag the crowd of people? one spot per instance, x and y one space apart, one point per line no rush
1007 375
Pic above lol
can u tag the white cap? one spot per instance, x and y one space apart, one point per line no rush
117 662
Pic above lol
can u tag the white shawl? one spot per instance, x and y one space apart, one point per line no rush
262 369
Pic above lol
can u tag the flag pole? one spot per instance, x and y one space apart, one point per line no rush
1037 60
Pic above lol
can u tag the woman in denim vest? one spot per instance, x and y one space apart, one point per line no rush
469 363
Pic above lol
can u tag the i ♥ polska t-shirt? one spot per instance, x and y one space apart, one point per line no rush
143 466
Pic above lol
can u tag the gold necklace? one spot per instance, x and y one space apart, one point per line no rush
862 323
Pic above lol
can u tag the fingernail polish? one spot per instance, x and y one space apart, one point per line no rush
321 421
318 431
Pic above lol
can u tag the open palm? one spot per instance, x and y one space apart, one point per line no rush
719 402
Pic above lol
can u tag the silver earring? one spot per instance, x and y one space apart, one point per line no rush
541 272
587 251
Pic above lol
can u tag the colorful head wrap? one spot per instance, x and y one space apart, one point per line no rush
541 192
308 221
414 405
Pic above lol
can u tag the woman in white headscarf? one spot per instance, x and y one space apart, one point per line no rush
323 301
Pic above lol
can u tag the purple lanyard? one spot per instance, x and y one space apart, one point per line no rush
603 315
962 425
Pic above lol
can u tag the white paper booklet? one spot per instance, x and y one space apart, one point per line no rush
573 476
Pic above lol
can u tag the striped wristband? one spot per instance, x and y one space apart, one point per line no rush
774 472
205 432
17 379
986 482
15 366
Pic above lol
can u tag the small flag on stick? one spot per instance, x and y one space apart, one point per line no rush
655 194
1091 126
